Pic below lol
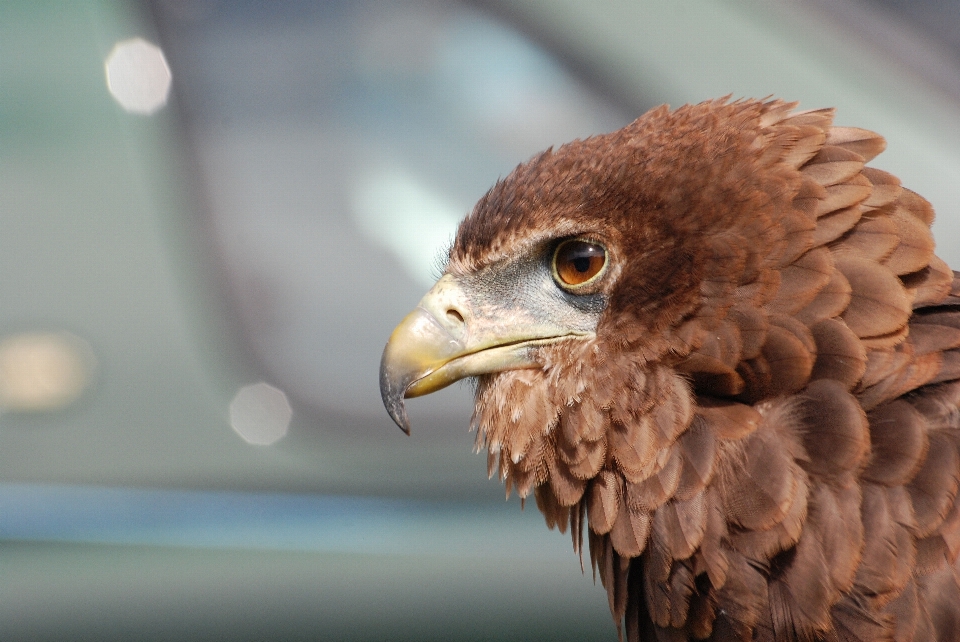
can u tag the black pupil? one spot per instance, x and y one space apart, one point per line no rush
581 264
577 262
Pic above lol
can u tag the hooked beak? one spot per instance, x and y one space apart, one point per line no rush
448 337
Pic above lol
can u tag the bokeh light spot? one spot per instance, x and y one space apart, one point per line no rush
43 371
407 217
138 76
260 414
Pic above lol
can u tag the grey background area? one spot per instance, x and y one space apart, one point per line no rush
273 223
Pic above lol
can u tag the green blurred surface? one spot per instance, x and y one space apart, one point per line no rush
141 593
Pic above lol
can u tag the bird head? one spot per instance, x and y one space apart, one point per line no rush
579 283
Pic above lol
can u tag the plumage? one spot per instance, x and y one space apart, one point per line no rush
832 226
802 280
841 356
898 443
743 383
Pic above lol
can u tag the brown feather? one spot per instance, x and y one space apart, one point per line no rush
758 490
819 118
604 501
886 341
840 354
567 487
712 365
942 592
701 616
944 316
917 205
742 600
950 532
844 195
927 338
889 550
797 328
832 165
831 301
906 614
808 197
873 238
629 532
728 420
633 448
949 369
652 492
915 249
934 487
883 363
855 621
862 142
681 590
835 430
712 558
931 554
931 285
554 514
589 457
613 575
678 527
802 280
702 362
798 234
801 595
668 601
886 187
832 226
878 303
761 290
698 450
835 516
810 139
898 440
762 545
920 371
753 326
789 357
756 375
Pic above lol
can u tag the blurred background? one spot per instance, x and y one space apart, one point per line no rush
212 214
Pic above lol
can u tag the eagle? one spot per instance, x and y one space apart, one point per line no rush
722 346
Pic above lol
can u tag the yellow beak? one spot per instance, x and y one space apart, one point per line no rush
449 337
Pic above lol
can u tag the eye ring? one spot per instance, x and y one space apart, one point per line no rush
578 263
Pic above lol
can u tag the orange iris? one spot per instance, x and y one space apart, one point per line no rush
576 261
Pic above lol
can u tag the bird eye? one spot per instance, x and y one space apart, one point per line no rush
576 262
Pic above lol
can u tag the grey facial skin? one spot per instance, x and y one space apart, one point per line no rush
490 321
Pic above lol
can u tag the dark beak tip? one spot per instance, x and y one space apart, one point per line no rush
398 413
392 395
399 416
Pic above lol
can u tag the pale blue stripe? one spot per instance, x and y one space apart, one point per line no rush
271 521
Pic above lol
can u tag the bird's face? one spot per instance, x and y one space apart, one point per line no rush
568 286
499 317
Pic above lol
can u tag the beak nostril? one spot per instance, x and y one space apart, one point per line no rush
454 315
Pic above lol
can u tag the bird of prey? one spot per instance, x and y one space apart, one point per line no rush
722 346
